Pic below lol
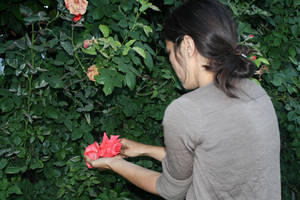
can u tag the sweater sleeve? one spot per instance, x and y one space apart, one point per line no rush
177 165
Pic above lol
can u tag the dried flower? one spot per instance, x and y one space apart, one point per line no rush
92 72
87 43
76 7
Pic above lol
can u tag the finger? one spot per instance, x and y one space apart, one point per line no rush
123 156
89 160
124 141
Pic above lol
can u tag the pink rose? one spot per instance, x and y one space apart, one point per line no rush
76 7
110 147
93 152
87 43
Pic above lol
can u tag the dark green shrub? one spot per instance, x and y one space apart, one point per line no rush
50 111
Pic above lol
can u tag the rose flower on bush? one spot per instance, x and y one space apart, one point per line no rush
92 72
77 8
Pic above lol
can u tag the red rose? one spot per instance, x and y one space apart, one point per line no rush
110 147
253 58
93 152
251 36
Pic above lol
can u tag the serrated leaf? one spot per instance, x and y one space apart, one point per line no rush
104 29
140 51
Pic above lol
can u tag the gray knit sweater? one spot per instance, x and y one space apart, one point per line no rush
220 147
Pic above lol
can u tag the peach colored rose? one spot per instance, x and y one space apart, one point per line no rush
76 7
92 72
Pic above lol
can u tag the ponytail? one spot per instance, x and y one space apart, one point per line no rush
213 30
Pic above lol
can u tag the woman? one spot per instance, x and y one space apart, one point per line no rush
222 138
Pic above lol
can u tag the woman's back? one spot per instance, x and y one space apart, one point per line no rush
231 145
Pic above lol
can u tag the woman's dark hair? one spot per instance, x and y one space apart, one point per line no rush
213 30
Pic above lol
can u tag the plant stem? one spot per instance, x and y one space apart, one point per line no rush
75 53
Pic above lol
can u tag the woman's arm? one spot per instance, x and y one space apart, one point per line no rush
131 148
139 176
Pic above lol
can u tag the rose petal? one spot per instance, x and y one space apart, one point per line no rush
77 18
92 151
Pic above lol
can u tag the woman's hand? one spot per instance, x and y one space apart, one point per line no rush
131 148
102 163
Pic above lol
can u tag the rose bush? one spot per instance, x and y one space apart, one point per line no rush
50 110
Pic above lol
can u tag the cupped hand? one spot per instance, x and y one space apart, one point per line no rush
102 163
132 148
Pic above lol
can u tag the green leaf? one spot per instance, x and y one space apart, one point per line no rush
149 61
110 79
130 79
153 7
104 29
36 164
88 138
129 43
140 51
292 51
91 50
264 60
3 163
145 7
77 134
98 13
55 82
52 113
67 46
14 190
14 170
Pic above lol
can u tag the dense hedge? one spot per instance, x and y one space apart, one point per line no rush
50 111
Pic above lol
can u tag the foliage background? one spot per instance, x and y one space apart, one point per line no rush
50 111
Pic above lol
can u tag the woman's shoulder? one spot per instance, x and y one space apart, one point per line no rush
210 98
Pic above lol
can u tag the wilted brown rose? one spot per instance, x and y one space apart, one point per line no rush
76 7
92 72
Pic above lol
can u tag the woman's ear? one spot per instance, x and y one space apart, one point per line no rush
189 45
